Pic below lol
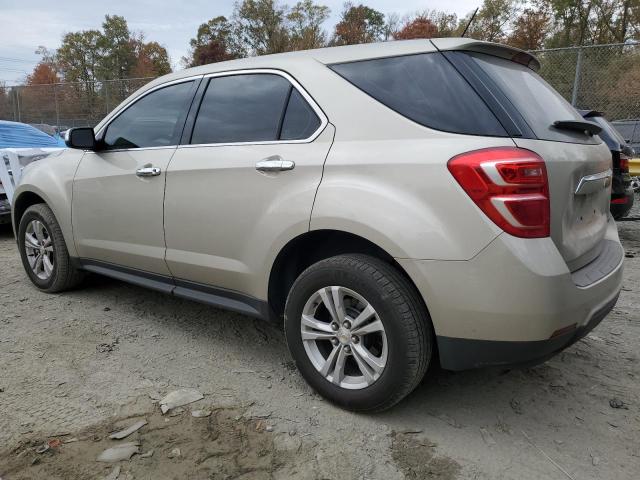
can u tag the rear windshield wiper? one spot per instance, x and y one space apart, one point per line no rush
579 126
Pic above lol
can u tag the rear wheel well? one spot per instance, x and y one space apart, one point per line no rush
24 201
309 248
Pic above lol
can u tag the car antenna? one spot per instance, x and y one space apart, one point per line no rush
470 22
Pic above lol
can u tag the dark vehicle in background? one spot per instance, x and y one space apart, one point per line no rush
630 131
621 153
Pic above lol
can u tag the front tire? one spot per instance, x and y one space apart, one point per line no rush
358 332
44 252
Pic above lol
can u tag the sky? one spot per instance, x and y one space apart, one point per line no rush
26 24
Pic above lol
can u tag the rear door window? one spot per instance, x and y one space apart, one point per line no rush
253 108
241 108
426 89
536 101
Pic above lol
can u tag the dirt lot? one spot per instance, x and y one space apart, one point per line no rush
77 366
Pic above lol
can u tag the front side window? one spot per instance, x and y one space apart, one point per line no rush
252 108
156 120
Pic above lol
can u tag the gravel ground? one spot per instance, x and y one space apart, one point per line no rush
80 365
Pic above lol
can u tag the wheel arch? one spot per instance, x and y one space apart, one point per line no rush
21 203
310 247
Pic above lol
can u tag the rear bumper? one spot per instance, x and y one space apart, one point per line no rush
516 301
622 204
464 354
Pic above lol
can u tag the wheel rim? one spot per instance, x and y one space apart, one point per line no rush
344 337
39 248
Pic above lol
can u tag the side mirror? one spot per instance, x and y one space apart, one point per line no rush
82 138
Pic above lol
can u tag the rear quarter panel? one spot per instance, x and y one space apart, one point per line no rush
386 180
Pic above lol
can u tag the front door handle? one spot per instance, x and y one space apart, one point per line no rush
274 164
148 172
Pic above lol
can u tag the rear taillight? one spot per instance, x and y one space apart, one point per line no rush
509 185
624 163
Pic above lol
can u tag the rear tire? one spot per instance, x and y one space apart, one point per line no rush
44 252
401 342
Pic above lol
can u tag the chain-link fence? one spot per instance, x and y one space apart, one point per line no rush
603 77
64 105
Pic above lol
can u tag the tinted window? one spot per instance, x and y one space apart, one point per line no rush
241 108
156 120
610 135
426 89
538 103
300 121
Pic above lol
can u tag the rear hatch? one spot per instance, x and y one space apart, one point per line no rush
539 119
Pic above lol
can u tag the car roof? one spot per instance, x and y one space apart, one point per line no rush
340 54
351 53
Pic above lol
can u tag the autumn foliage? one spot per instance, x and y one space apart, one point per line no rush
419 27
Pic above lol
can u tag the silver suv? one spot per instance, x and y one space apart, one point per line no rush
391 203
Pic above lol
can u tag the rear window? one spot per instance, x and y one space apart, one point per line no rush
426 89
538 103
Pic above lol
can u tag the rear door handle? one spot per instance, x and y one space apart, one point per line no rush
275 164
148 172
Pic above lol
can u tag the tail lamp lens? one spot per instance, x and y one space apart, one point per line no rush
509 185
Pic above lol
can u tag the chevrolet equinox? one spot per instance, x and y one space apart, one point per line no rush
389 203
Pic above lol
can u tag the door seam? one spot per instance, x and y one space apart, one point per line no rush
315 195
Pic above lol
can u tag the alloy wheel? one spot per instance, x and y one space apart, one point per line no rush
39 249
344 337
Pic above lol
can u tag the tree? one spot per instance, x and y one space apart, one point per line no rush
492 20
530 29
305 25
116 49
78 56
43 74
446 23
215 41
261 26
152 59
419 27
359 24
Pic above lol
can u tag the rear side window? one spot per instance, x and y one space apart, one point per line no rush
156 120
536 101
426 89
253 108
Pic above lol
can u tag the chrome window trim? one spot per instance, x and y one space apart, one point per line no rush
141 149
116 113
324 121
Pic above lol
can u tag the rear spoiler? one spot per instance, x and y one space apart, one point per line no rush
495 49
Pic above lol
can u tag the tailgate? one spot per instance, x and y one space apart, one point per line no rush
579 216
